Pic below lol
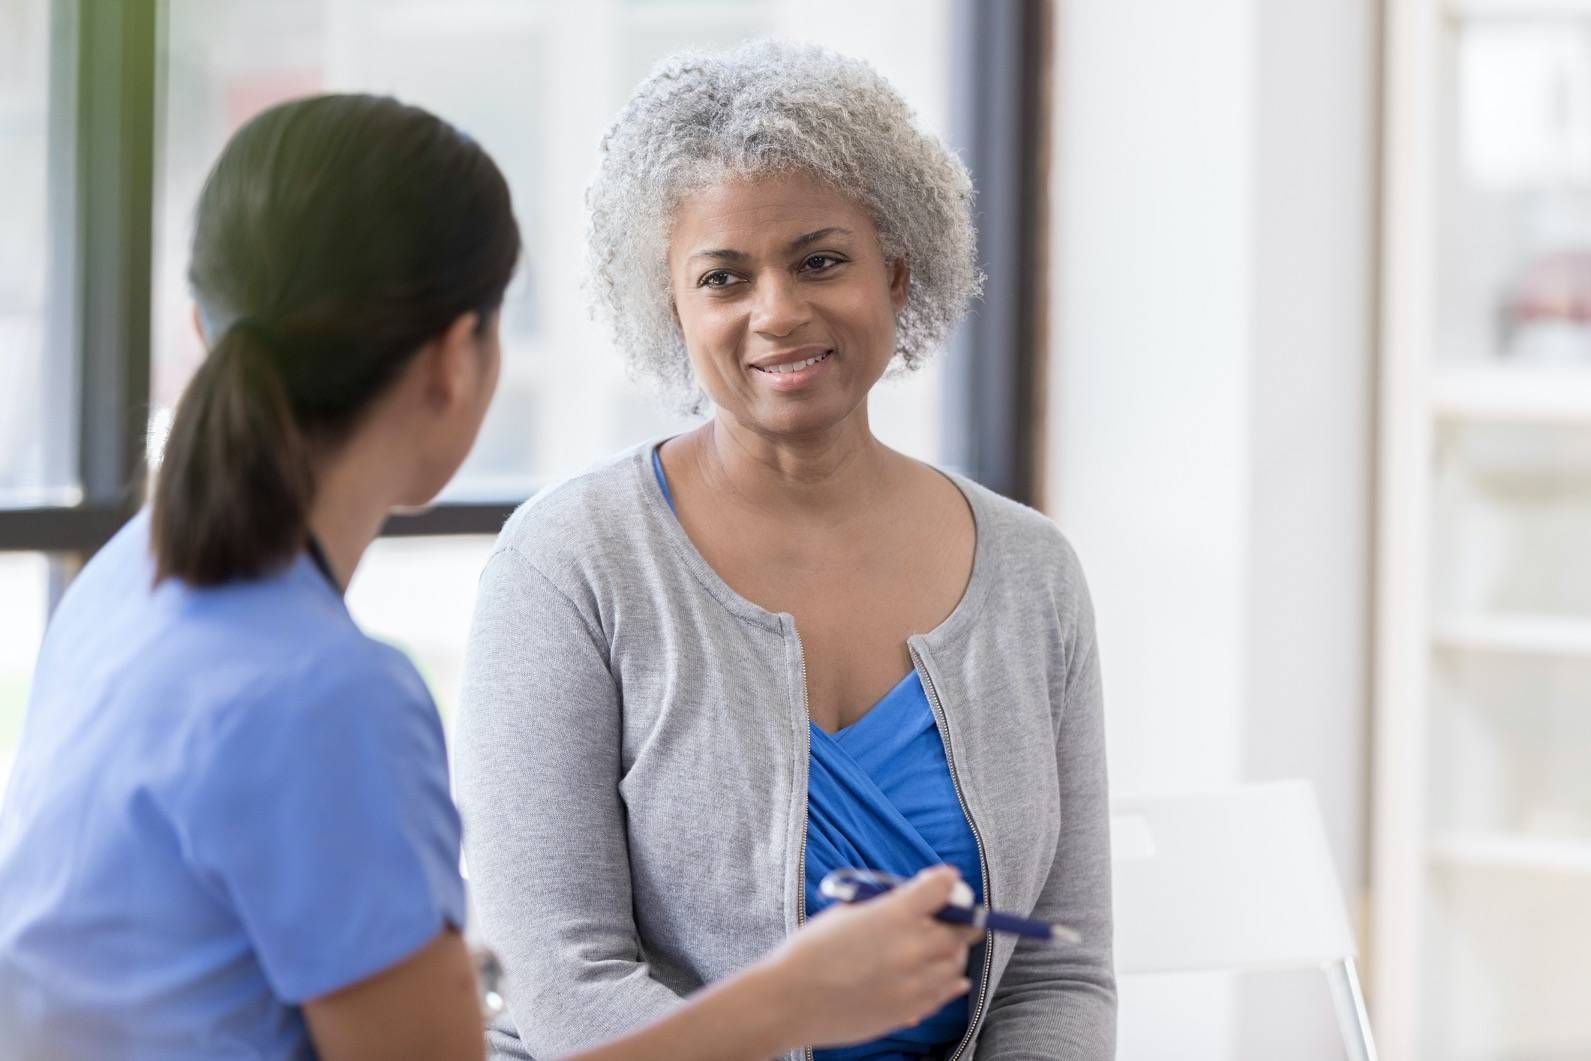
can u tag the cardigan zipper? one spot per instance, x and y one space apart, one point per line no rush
977 839
806 799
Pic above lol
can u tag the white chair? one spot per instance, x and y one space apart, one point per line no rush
1236 880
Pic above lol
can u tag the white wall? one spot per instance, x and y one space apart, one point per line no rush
1312 457
1210 425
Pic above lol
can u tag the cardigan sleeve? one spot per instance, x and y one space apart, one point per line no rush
1060 1002
537 763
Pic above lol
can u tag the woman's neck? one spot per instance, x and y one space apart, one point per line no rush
352 501
826 473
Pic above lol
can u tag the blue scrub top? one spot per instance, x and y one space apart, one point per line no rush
880 796
226 802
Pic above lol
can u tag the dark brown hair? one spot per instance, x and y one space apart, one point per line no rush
335 236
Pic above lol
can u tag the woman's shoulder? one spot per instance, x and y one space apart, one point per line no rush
1018 535
1026 561
346 671
602 492
308 709
600 513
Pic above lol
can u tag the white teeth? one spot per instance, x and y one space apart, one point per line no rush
795 366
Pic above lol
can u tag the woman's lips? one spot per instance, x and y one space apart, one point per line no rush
795 374
794 366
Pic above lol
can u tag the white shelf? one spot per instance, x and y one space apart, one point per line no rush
1525 635
1482 460
1512 851
1465 10
1514 395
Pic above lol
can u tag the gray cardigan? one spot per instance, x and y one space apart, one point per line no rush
631 760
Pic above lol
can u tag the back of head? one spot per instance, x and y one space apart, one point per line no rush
335 236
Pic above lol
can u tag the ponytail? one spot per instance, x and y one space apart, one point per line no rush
339 234
233 493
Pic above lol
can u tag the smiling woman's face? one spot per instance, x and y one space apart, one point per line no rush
785 300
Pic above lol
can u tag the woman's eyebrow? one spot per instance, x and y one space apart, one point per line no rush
726 255
721 255
814 236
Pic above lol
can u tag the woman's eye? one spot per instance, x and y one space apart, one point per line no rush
716 278
818 263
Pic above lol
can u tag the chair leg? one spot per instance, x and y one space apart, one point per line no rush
1352 1017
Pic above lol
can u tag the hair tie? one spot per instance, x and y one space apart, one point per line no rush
259 331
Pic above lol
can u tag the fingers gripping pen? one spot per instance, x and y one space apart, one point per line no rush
859 885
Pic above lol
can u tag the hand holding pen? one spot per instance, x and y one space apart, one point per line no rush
858 885
860 971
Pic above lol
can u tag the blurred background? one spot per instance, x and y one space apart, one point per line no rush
1288 326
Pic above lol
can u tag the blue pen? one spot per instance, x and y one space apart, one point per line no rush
857 885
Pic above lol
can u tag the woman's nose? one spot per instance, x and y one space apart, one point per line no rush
779 307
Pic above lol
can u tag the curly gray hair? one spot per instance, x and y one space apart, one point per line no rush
770 107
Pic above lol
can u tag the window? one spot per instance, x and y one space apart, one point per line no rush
24 587
112 113
418 594
35 438
537 83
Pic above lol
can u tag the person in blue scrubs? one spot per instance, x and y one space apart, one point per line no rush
229 830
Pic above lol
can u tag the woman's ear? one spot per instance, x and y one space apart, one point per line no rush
453 363
900 282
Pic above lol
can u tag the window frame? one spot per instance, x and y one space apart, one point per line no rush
110 53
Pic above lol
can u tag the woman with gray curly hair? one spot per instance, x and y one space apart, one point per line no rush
712 670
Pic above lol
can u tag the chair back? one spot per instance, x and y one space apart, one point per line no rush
1230 880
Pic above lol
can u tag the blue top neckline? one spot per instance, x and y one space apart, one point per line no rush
662 480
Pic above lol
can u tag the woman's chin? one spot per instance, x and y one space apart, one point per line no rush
802 418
